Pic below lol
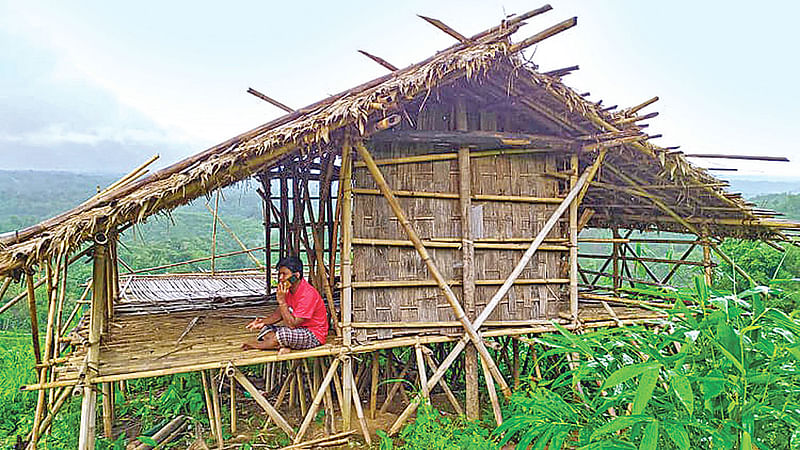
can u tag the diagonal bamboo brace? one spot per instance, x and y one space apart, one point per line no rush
434 271
312 411
262 402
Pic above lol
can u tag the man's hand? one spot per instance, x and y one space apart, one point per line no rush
283 289
256 324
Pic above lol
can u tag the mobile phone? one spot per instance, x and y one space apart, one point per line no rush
293 279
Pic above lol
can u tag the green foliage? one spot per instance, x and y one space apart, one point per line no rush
722 374
434 431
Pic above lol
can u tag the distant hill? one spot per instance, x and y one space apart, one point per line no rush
752 186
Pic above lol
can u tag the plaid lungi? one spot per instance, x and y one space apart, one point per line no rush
299 338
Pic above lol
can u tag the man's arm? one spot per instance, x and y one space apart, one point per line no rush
288 318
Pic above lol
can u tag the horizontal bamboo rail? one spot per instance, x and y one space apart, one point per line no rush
196 260
645 259
454 245
433 283
476 197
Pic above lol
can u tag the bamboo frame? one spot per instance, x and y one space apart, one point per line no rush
434 271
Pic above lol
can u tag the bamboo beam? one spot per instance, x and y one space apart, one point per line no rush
644 258
442 243
477 197
434 271
454 155
195 260
675 268
742 157
417 283
262 402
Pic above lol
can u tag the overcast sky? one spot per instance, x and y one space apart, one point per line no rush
102 86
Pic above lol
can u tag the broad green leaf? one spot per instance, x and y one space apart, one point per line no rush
683 389
618 423
730 356
626 373
650 436
702 289
647 382
795 351
678 434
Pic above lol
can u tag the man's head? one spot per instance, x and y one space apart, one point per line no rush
288 267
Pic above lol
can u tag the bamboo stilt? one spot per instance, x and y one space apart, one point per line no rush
309 416
270 410
498 415
573 246
108 411
209 405
708 269
37 352
234 418
362 421
373 389
515 353
217 412
423 376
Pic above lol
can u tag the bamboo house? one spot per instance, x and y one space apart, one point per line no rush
439 209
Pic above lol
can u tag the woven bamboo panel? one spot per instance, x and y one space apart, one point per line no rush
436 219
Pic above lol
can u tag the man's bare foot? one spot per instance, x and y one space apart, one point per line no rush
284 351
246 346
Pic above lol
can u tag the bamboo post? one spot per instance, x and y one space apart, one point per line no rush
346 273
708 268
423 376
442 383
108 410
268 408
214 235
434 271
4 288
209 406
217 411
501 292
573 249
266 184
48 342
312 411
515 357
236 238
362 421
615 262
373 389
498 415
301 390
97 315
468 261
37 353
232 395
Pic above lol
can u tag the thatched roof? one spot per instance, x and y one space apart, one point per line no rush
490 64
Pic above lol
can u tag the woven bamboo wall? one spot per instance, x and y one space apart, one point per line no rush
439 219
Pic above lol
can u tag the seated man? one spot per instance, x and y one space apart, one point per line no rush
301 309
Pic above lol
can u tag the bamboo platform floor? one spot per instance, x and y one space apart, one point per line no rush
140 347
